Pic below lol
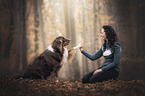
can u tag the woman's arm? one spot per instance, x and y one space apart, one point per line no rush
95 56
116 60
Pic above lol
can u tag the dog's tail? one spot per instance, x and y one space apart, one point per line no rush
17 76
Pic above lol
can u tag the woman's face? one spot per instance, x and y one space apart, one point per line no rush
103 35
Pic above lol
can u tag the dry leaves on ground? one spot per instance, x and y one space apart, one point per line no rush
26 87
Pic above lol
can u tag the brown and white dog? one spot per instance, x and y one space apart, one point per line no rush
48 63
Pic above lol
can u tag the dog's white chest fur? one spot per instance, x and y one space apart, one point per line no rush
65 56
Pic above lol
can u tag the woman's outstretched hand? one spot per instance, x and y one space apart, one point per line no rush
81 45
81 48
97 71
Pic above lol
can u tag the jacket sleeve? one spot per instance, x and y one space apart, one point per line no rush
116 60
93 57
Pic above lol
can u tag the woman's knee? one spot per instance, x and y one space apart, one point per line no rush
85 80
96 78
91 80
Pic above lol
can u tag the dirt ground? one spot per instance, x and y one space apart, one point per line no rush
26 87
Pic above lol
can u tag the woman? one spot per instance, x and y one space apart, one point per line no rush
111 51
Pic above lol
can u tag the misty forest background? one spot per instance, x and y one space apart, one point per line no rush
28 27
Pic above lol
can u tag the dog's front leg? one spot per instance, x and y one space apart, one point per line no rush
56 73
51 77
54 76
71 54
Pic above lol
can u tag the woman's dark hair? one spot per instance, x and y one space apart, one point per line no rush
111 36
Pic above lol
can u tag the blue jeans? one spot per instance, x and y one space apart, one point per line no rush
101 76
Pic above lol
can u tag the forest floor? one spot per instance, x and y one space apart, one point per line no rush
26 87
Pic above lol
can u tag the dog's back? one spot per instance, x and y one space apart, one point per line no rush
43 65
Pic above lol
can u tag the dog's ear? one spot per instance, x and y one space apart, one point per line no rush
61 45
58 44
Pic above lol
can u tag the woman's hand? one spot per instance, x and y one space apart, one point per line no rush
81 45
81 48
97 71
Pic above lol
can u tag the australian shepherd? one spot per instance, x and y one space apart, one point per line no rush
48 63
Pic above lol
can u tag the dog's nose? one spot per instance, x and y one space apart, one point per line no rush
69 40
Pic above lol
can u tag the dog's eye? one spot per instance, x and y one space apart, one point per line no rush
59 41
64 40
